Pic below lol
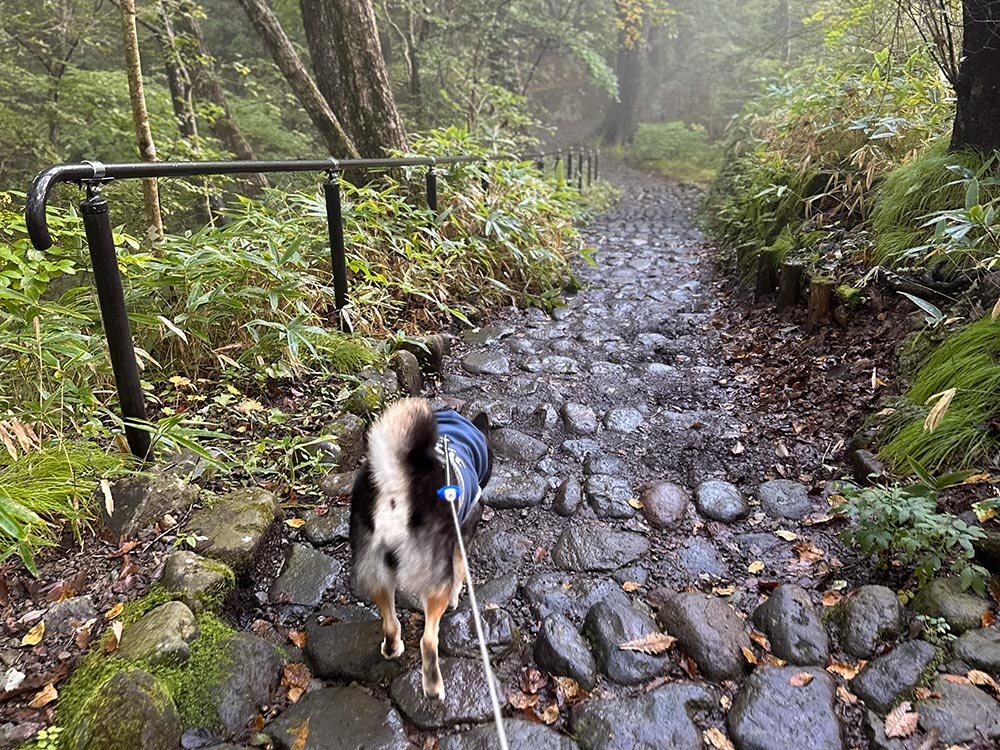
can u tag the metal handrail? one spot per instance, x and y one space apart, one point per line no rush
92 175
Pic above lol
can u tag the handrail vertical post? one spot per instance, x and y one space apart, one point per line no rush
579 171
590 166
114 316
540 164
432 190
569 166
555 168
338 252
597 156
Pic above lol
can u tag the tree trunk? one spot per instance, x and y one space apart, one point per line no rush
350 70
791 280
785 30
622 119
266 24
977 119
140 117
207 87
820 301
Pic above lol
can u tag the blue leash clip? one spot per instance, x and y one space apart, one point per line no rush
450 493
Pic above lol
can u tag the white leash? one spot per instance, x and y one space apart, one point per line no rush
474 605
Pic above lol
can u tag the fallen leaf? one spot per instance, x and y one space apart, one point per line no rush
773 661
781 451
636 503
570 689
109 498
788 536
846 695
738 448
760 639
44 696
715 737
114 611
301 734
690 667
808 553
982 679
749 655
725 702
832 598
34 636
800 679
295 676
651 643
757 566
298 637
295 523
847 671
924 694
115 638
901 721
987 619
532 680
940 408
630 586
724 590
958 679
521 700
549 714
540 554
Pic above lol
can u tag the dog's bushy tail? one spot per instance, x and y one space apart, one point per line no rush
403 436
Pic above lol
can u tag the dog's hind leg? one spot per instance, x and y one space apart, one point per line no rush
434 607
458 578
392 644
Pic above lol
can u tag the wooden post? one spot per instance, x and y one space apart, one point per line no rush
820 301
791 280
767 277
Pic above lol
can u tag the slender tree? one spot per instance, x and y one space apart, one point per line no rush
350 70
977 118
140 117
269 29
622 118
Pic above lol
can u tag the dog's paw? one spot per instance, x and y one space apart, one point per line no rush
394 652
434 688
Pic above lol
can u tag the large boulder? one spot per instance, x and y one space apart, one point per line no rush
130 710
665 504
597 547
561 650
777 709
865 617
793 626
978 648
233 528
339 718
611 623
709 631
142 500
720 501
609 496
783 498
891 678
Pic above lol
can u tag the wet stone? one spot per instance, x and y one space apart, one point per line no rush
66 616
665 504
142 500
305 577
980 648
633 573
337 484
783 498
247 674
557 365
515 491
503 548
609 496
347 433
197 580
516 445
579 419
348 649
234 526
497 592
612 623
143 716
486 363
720 501
603 463
623 420
571 596
407 368
161 636
568 496
963 713
770 713
521 735
870 614
699 557
332 526
546 416
794 628
340 718
657 720
466 696
561 650
709 631
580 448
891 678
458 633
943 597
597 547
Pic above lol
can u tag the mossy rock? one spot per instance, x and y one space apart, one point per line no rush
232 529
161 636
200 582
130 710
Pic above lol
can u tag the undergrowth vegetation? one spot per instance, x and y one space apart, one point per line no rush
677 150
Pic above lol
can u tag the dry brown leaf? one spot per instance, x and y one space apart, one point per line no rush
301 734
757 566
651 643
800 679
521 700
34 636
532 680
749 655
958 679
114 611
725 702
114 638
724 590
847 671
788 536
550 714
570 689
109 498
982 679
298 637
295 523
760 639
987 619
738 448
635 503
44 696
773 661
295 676
630 586
846 695
832 598
808 553
715 737
901 721
940 408
924 694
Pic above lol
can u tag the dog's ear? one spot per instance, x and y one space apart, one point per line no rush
482 423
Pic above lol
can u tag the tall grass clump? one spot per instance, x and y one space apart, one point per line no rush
967 435
678 150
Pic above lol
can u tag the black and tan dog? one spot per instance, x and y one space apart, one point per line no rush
402 534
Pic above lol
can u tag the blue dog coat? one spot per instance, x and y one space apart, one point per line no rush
467 455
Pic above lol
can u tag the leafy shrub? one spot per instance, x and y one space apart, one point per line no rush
902 524
681 151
